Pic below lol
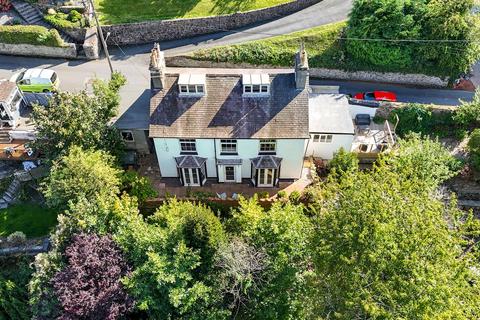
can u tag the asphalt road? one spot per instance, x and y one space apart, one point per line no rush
133 61
404 93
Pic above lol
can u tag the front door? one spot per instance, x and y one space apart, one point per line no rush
230 174
265 177
191 177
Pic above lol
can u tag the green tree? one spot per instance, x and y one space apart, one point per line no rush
14 278
81 174
383 19
173 258
138 186
80 119
283 233
385 248
421 161
413 20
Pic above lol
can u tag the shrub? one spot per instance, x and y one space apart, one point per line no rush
343 162
263 195
474 149
282 194
138 186
468 113
35 35
90 285
64 21
18 237
74 16
295 197
421 119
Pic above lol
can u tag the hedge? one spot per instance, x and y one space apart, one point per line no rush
35 35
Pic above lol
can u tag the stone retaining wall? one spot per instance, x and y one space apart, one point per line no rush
153 31
69 51
331 74
91 44
387 77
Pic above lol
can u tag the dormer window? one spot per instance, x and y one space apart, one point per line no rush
191 84
256 84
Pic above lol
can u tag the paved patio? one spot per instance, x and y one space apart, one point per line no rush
148 166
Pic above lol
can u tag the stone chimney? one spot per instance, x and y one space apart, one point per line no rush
157 68
301 68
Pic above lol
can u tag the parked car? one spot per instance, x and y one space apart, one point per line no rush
376 96
36 80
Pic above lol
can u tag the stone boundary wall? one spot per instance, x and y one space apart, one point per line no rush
331 74
69 51
386 77
161 30
91 44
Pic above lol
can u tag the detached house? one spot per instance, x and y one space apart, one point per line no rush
230 128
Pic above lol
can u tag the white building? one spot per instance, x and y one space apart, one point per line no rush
230 128
330 125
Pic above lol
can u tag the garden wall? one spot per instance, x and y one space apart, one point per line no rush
387 77
152 31
331 74
69 51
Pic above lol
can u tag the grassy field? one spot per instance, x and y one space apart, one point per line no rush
125 11
321 43
33 220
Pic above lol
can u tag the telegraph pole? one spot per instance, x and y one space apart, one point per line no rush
102 39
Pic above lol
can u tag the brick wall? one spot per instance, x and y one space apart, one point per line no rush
152 31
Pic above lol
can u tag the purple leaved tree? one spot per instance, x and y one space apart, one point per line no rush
89 286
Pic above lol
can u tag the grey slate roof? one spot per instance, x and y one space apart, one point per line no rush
266 162
224 113
190 161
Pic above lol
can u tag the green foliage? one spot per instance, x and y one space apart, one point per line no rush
474 148
467 114
80 119
172 254
65 21
295 197
343 162
385 250
284 234
282 194
422 119
423 162
35 35
82 174
416 19
323 49
263 195
138 186
14 276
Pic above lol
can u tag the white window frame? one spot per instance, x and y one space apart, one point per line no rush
228 142
127 132
188 142
189 175
263 174
234 173
268 142
323 138
191 89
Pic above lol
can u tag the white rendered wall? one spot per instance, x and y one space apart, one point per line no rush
292 152
166 150
326 150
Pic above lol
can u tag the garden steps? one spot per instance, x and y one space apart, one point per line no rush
34 16
11 194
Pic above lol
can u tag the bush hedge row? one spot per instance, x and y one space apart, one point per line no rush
35 35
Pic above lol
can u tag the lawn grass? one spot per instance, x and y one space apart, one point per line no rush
126 11
323 44
33 220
